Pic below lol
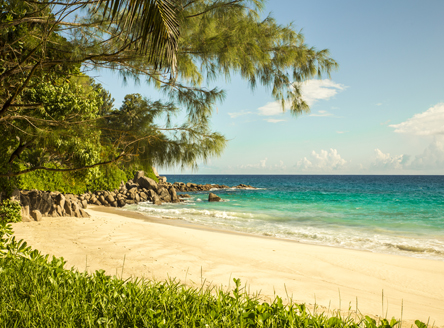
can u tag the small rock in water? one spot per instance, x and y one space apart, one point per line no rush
214 198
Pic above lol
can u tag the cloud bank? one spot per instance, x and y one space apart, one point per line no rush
430 122
322 161
311 91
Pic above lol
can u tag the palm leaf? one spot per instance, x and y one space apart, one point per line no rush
153 23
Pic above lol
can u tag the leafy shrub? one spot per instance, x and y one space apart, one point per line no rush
10 211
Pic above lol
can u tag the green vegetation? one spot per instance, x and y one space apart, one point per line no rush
10 211
38 292
55 118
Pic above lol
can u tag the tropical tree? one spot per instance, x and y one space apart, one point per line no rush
180 47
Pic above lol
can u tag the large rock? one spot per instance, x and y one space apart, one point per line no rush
36 215
110 198
102 200
147 183
162 179
68 208
138 175
130 184
173 195
156 200
151 194
24 213
214 198
143 196
60 200
164 195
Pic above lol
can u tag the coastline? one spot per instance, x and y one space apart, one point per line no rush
112 239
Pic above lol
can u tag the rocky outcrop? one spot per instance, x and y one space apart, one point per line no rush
37 204
214 198
192 187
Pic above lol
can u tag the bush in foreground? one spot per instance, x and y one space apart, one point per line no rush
38 292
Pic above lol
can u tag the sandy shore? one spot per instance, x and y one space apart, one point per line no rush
331 277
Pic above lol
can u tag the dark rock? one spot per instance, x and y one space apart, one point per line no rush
102 200
156 200
36 215
83 213
110 198
60 210
173 195
24 213
60 200
130 201
147 183
76 210
164 195
138 175
151 194
143 196
214 198
68 208
130 184
121 203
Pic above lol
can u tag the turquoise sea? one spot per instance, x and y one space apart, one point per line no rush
387 214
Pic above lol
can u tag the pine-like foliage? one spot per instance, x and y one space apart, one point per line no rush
57 119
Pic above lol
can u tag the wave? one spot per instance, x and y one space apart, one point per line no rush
303 228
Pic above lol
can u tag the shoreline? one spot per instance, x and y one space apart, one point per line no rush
116 240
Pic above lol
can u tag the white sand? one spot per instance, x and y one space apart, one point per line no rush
309 273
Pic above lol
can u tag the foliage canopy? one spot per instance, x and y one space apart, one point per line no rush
56 118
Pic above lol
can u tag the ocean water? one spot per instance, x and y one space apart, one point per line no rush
387 214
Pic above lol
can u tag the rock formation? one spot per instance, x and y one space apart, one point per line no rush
214 198
37 204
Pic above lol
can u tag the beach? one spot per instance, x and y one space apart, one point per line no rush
129 244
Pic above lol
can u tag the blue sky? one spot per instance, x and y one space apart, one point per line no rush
382 112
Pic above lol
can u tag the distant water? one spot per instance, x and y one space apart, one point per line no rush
387 214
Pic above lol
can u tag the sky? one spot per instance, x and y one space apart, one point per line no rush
381 112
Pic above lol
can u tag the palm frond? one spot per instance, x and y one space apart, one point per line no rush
154 23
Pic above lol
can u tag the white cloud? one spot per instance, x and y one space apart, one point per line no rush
270 109
237 114
324 160
274 120
261 165
430 122
281 166
385 123
321 113
314 90
387 161
341 132
431 158
311 91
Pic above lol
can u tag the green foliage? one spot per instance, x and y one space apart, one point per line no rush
10 211
64 182
37 292
55 118
108 178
